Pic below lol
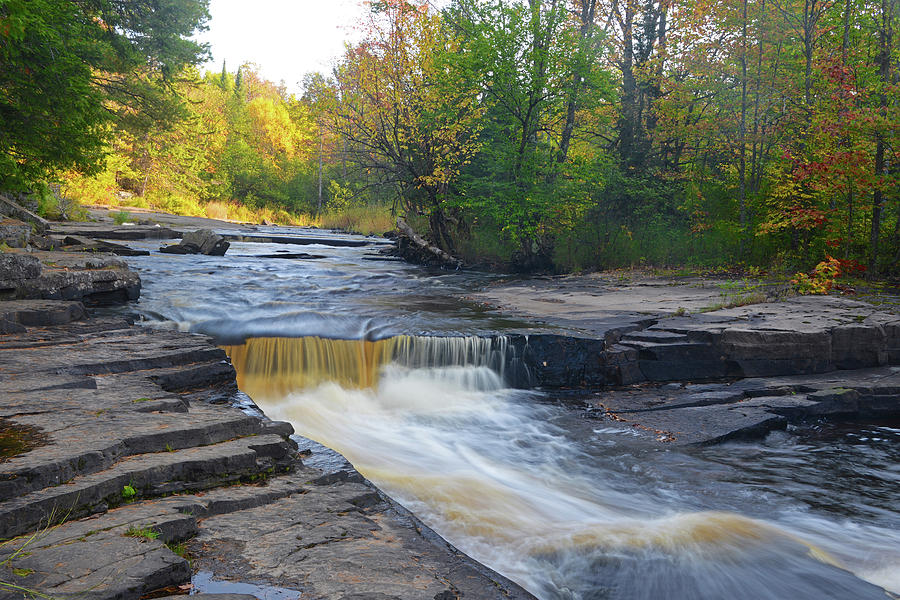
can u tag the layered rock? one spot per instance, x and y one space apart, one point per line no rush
141 458
14 233
58 276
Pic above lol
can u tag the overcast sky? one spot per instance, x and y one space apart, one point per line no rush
286 38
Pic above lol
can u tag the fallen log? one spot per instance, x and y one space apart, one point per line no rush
414 248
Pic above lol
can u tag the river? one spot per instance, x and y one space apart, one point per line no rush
567 506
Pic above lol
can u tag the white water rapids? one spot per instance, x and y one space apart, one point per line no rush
567 506
488 469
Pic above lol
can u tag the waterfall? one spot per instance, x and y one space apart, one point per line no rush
566 509
272 367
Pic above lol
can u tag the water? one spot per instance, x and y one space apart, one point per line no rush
568 507
349 294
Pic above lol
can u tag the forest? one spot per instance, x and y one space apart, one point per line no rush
536 135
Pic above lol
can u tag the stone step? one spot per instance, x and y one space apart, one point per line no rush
41 313
672 351
687 370
655 336
149 475
94 556
200 375
106 566
132 433
109 352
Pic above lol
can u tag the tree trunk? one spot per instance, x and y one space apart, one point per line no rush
742 192
628 125
319 203
886 41
588 9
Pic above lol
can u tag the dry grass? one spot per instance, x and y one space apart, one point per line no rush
367 220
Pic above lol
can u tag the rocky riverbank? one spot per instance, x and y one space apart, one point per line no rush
140 462
132 465
697 362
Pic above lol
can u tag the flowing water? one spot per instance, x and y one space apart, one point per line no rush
567 506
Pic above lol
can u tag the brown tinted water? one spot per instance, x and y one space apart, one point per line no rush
568 507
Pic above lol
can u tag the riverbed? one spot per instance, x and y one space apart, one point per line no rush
521 480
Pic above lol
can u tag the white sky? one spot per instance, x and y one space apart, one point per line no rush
286 38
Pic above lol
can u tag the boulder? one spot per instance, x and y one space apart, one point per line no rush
43 242
180 249
208 241
14 233
202 241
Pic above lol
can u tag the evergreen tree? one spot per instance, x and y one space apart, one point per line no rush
69 70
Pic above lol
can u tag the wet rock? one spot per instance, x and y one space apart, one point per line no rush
202 241
180 249
74 243
299 240
209 242
750 408
289 256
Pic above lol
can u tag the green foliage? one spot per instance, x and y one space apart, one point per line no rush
121 217
69 70
180 549
821 280
533 135
56 207
128 492
146 533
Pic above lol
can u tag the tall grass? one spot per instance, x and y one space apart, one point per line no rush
364 219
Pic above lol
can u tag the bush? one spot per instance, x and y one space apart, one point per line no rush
121 217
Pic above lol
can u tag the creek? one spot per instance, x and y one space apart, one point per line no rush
382 361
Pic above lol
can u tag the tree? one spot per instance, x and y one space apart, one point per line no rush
408 115
70 70
537 68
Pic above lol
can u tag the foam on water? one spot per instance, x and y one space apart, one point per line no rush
486 468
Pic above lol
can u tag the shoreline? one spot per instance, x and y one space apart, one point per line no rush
154 411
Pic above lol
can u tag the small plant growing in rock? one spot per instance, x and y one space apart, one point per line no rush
128 492
146 533
121 217
181 550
